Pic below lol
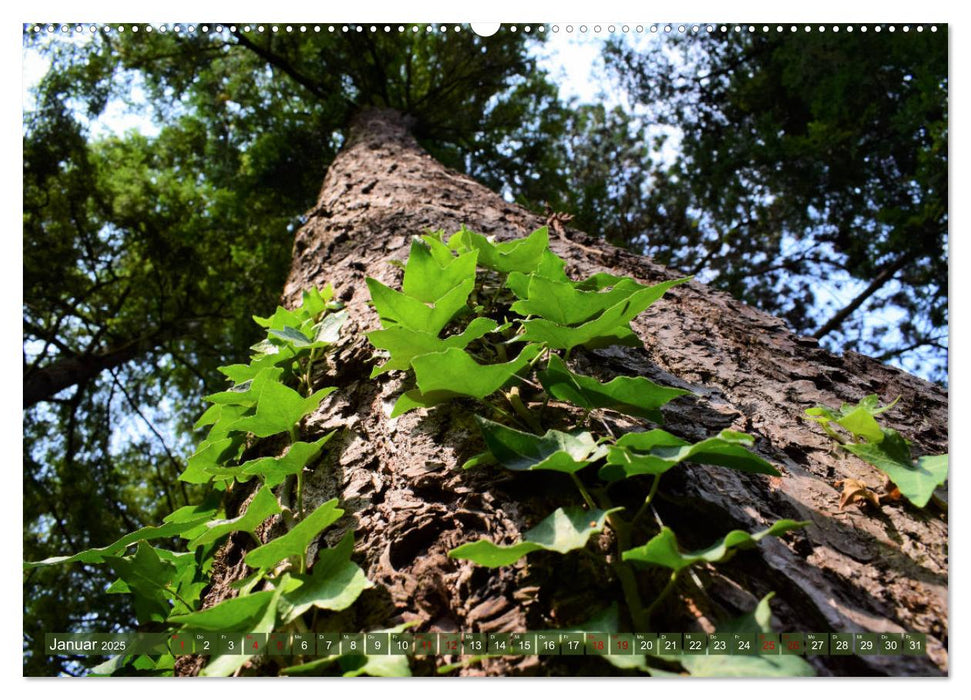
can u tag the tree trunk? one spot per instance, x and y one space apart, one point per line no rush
881 570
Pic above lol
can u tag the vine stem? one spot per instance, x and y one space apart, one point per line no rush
660 596
625 574
583 491
294 435
647 501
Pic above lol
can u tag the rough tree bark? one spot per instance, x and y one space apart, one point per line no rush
877 570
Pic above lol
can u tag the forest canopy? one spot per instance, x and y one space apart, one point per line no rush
805 174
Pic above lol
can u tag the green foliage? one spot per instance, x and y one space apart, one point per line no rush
554 451
656 451
565 529
145 253
165 585
716 666
662 549
884 448
524 296
806 163
635 396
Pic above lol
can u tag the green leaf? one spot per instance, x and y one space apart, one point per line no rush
247 392
209 456
295 542
554 451
562 303
663 550
455 371
520 255
566 529
390 665
279 408
551 266
398 308
328 331
280 319
97 555
262 620
656 451
291 336
405 344
607 621
381 666
635 396
427 280
334 583
598 281
885 449
274 470
263 505
278 356
610 327
892 456
238 614
729 666
147 577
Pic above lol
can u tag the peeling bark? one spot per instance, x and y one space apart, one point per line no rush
877 570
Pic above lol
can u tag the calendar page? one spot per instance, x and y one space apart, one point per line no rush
560 349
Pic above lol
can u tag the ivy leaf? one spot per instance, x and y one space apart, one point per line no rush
378 666
292 336
247 392
413 399
207 510
657 451
563 304
295 542
520 255
263 505
263 621
405 344
554 451
328 331
279 408
279 356
565 530
456 372
147 577
238 614
209 456
334 583
97 555
440 252
399 308
607 621
280 319
885 449
892 456
635 396
609 328
732 666
385 665
663 550
315 301
274 470
428 280
551 266
598 281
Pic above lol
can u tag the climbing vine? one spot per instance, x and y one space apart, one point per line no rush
497 324
269 398
512 317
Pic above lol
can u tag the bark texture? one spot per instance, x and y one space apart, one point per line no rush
876 570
